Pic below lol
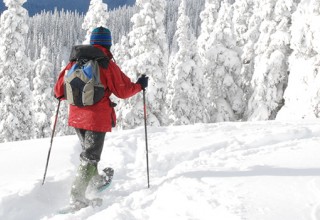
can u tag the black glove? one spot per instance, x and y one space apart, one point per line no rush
143 81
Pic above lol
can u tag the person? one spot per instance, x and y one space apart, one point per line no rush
92 122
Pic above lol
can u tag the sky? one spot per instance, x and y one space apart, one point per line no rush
268 170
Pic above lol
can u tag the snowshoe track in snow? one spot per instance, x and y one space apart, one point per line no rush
233 171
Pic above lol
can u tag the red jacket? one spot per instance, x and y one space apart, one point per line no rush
100 116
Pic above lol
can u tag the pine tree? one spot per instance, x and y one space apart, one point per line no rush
185 79
302 94
15 94
250 21
208 19
121 53
148 51
244 20
271 62
96 16
221 58
119 21
51 30
42 95
242 12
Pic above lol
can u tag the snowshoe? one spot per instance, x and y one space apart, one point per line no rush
78 205
106 180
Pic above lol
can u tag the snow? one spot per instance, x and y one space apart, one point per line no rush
230 171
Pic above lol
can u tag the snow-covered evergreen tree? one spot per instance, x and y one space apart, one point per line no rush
186 93
208 19
222 61
121 53
119 22
271 62
51 30
43 100
96 16
242 12
303 92
15 94
247 42
148 51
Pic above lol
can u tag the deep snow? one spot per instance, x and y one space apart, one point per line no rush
224 171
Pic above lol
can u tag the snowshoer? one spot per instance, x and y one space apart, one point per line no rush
92 122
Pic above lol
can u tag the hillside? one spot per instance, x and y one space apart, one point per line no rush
230 171
36 6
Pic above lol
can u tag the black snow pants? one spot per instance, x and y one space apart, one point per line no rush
92 145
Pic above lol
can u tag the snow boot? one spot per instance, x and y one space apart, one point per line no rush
86 172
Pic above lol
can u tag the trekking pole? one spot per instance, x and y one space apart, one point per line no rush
145 132
52 134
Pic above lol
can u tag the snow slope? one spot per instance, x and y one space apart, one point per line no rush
224 171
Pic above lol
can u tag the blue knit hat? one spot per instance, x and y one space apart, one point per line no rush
101 36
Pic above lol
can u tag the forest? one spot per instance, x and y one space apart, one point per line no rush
208 61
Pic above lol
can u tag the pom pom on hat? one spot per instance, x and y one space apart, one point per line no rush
101 36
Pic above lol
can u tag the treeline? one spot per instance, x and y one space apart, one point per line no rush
60 30
208 61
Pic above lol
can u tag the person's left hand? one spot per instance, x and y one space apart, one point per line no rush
143 81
